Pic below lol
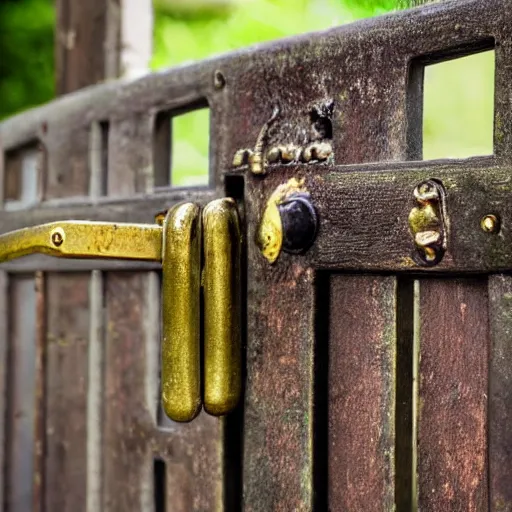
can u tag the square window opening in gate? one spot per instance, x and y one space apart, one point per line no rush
458 107
181 152
22 176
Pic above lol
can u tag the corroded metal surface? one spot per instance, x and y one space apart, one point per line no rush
222 242
75 239
181 310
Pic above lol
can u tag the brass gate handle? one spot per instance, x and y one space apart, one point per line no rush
187 236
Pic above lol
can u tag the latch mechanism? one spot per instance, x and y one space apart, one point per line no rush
427 222
190 241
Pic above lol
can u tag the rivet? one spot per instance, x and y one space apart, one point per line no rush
57 237
160 217
219 80
490 223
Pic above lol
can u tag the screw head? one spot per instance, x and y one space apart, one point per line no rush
219 80
160 217
57 237
490 223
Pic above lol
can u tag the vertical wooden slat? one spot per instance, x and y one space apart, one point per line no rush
125 434
278 441
20 438
67 354
40 394
500 394
95 377
362 354
4 373
453 372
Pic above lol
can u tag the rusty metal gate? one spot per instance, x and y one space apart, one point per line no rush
377 362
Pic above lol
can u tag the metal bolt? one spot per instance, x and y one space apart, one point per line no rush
219 80
299 221
57 237
490 223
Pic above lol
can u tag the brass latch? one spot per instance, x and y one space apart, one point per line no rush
197 248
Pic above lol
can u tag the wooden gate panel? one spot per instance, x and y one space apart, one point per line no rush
362 359
453 389
500 394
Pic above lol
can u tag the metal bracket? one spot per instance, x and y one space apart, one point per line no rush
427 223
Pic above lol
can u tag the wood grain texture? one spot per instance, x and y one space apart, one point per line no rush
364 216
125 450
380 50
500 394
67 324
453 387
39 478
4 374
21 397
362 355
278 417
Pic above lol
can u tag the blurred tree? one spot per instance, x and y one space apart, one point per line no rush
26 54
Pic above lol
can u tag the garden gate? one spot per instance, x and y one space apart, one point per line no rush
376 300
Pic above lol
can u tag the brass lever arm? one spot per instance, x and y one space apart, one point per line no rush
85 239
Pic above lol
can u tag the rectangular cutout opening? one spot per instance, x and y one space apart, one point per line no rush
22 176
181 147
404 394
451 104
98 158
159 478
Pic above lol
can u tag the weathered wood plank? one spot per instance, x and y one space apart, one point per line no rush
130 152
135 208
362 359
40 394
364 217
4 374
452 405
500 394
379 49
278 415
278 404
364 214
21 398
67 323
126 441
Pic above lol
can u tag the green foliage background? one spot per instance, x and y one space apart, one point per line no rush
458 95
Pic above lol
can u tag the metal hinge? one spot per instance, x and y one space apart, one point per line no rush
198 247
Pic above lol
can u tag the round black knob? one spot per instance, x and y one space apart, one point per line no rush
299 221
